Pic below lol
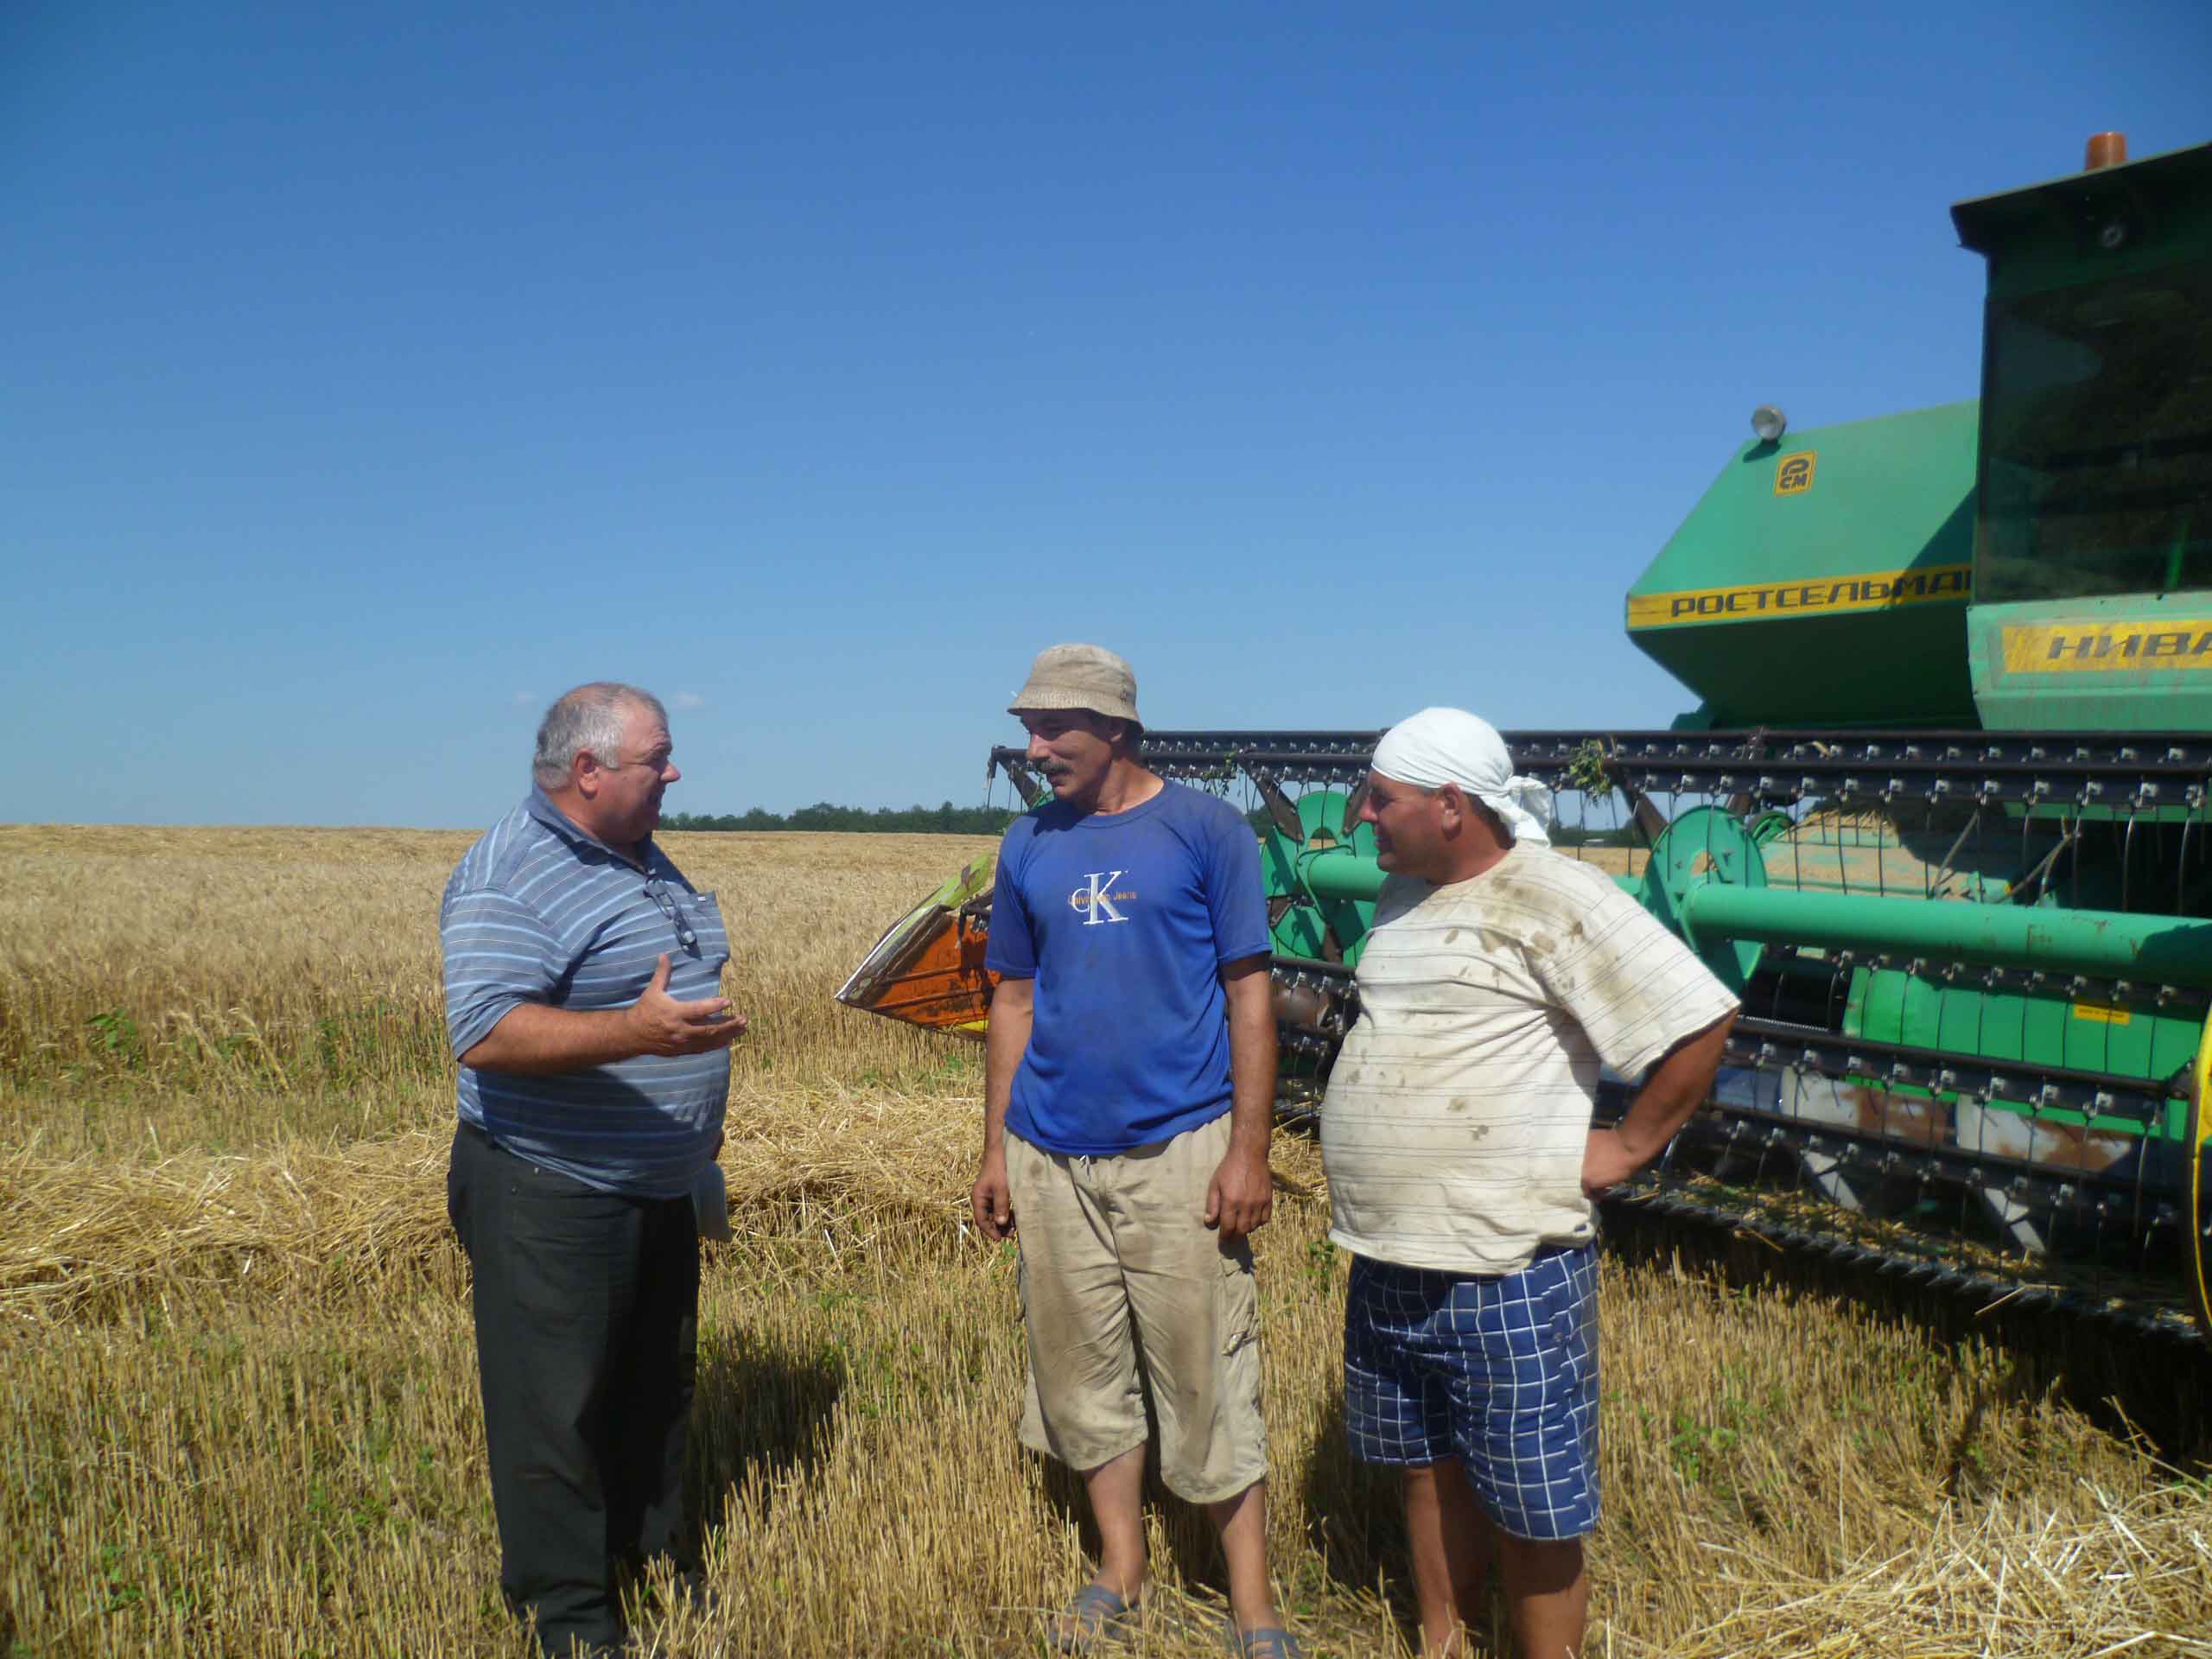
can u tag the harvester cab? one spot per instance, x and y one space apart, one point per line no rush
2092 577
1940 815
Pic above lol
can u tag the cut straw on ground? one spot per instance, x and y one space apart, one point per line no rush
242 1416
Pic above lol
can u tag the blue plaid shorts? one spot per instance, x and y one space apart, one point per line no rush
1499 1370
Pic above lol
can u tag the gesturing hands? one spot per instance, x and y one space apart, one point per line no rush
662 1024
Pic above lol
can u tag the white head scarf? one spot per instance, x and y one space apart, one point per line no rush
1450 746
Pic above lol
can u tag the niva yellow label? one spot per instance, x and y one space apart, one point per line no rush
1793 474
1876 590
2104 647
2103 1014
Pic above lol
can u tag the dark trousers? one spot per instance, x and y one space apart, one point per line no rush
587 1342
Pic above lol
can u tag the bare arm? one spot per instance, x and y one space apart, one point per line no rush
1242 1197
1674 1089
536 1039
1006 1039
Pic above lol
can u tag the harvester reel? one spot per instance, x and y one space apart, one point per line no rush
1302 922
1705 844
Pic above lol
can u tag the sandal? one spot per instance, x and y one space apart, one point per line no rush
1269 1642
1095 1616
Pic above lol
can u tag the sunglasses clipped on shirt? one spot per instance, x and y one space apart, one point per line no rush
657 891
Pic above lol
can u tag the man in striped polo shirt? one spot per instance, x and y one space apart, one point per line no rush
583 1001
1496 979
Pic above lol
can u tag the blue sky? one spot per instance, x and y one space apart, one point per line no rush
374 372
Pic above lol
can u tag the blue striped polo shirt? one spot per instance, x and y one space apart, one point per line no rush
540 912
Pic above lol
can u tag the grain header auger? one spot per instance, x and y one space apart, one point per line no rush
1940 816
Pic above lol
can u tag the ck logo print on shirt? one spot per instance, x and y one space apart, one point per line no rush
1097 901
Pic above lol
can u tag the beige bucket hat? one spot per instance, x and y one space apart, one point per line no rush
1088 677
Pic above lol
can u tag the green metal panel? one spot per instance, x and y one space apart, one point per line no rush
1774 603
2135 662
2051 1028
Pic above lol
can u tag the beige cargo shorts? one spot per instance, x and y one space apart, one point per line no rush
1117 1260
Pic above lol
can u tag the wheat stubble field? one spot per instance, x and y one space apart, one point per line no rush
239 1387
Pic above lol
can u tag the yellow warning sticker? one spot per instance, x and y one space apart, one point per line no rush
2095 647
2103 1012
1793 474
1876 590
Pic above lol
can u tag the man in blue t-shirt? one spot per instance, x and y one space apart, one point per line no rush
1129 1097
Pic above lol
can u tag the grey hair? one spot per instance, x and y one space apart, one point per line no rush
588 720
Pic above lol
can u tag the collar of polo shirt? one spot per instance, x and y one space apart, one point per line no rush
542 809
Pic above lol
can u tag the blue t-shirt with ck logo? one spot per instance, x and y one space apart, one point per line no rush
1124 920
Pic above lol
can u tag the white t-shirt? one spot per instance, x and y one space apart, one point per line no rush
1460 1106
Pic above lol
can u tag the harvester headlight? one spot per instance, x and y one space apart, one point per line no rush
1768 422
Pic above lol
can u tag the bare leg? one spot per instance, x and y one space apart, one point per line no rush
1452 1550
1243 1524
1547 1593
1117 1492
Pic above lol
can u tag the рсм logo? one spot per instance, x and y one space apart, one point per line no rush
1793 475
1097 900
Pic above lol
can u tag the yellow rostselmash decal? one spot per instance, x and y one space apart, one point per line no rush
1877 590
2104 1013
1793 474
2066 647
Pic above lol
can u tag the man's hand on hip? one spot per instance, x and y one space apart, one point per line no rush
662 1024
991 1200
1241 1195
1681 1079
1606 1162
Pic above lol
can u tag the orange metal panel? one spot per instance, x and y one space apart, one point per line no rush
946 984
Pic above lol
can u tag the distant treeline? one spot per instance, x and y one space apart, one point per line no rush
945 820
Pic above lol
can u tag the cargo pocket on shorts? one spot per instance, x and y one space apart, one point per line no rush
1239 1291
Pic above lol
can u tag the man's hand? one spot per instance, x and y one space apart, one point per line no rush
661 1025
1241 1195
1606 1162
1682 1079
990 1200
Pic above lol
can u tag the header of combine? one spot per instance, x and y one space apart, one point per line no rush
1940 816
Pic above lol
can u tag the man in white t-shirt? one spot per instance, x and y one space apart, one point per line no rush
1498 978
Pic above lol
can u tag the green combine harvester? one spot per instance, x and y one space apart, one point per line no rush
1940 815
